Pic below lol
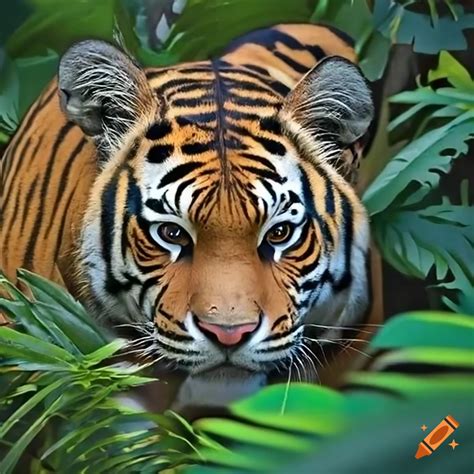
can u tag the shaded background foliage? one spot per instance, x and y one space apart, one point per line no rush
53 377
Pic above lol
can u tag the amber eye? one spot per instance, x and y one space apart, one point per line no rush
174 234
279 234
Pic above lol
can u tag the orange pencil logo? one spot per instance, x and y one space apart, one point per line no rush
437 437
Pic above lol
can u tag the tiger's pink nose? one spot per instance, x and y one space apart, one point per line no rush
228 335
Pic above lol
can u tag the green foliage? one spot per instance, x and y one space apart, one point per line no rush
58 413
428 33
413 237
60 370
446 102
205 28
224 21
371 408
59 376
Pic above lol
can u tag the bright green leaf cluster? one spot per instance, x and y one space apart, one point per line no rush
59 376
317 420
58 393
415 238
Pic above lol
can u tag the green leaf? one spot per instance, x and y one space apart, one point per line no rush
55 25
419 164
32 349
452 358
432 330
419 30
34 73
386 442
253 435
14 454
356 19
105 352
9 87
373 56
206 27
30 405
439 236
66 313
409 385
308 408
452 70
455 100
464 289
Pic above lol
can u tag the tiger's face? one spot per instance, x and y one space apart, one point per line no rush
218 225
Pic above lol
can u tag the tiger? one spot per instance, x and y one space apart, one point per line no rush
212 205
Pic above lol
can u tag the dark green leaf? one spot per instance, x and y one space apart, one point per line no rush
420 162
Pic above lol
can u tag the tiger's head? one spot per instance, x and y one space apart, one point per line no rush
222 220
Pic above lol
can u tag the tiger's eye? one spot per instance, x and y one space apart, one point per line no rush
279 233
174 234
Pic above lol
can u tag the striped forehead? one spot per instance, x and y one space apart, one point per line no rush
214 106
215 128
195 191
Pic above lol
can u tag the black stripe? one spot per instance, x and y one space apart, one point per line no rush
311 246
263 161
204 201
159 130
272 146
47 96
175 350
346 278
198 118
196 148
240 85
160 293
11 158
63 224
253 101
278 321
159 153
192 102
281 347
172 335
329 197
298 67
188 86
270 190
340 34
179 172
220 94
64 181
264 173
148 285
427 445
311 209
29 253
27 207
180 189
156 205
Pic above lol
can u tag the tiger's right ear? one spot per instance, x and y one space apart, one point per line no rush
103 91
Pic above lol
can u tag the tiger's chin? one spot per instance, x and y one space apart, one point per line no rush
218 387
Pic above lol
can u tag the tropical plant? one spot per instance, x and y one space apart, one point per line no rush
58 413
61 372
414 234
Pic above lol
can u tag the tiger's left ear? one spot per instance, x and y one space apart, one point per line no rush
103 91
329 109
